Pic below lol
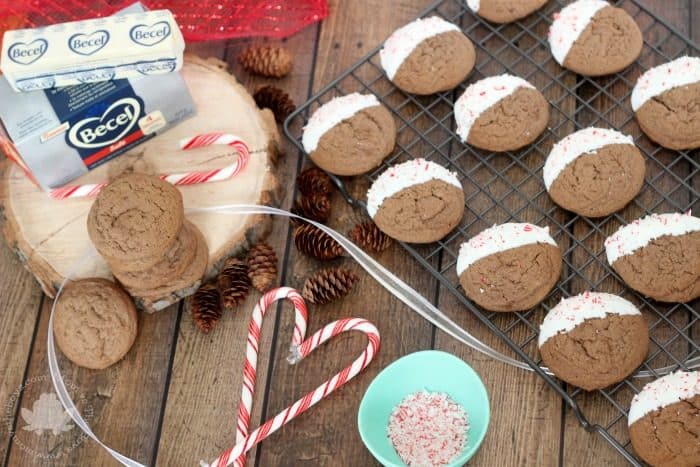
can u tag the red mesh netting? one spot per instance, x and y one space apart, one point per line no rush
198 19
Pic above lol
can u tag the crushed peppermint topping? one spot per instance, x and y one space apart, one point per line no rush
481 96
572 311
331 113
655 81
404 40
641 232
404 175
500 238
428 429
586 141
664 391
568 25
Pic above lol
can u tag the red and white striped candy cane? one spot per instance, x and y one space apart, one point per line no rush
299 351
180 179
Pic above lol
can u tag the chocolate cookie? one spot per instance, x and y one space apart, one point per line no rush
189 278
501 113
427 56
95 323
666 102
350 135
593 340
593 38
594 172
664 421
509 267
504 11
417 201
659 256
170 267
136 217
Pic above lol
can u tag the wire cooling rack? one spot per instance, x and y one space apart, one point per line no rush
502 187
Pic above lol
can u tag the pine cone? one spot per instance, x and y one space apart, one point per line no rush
206 307
273 62
315 242
233 282
275 99
314 180
328 285
316 207
368 237
262 266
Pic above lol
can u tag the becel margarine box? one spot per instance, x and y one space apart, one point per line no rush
126 45
58 134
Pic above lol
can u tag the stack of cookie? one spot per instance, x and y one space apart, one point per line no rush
138 225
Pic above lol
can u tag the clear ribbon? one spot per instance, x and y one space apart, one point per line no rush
388 280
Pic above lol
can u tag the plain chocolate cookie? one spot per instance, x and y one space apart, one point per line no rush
664 422
501 113
594 172
136 216
417 201
592 38
350 135
593 340
509 267
659 256
504 11
95 323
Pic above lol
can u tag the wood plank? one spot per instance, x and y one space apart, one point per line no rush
526 413
580 446
20 296
327 434
205 388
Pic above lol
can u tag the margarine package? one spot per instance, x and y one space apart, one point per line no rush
121 46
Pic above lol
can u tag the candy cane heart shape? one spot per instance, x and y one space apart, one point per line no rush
299 350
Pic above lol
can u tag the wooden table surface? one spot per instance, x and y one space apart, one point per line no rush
172 400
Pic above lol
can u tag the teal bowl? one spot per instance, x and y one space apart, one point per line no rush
432 371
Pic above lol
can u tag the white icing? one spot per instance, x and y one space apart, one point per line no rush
655 81
474 5
404 40
500 238
572 311
404 175
585 141
568 25
331 113
664 391
481 96
639 233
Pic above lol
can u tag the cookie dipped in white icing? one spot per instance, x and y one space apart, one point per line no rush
667 390
417 201
501 12
656 81
641 232
586 141
500 238
481 96
568 25
572 311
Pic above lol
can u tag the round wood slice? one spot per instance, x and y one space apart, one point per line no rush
51 236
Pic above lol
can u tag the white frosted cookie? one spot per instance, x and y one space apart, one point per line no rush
593 38
659 256
349 135
593 340
509 267
656 81
427 56
663 392
594 172
520 109
504 11
417 201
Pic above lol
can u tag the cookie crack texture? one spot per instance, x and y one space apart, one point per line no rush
672 118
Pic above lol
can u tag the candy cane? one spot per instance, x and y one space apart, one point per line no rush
299 350
180 179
